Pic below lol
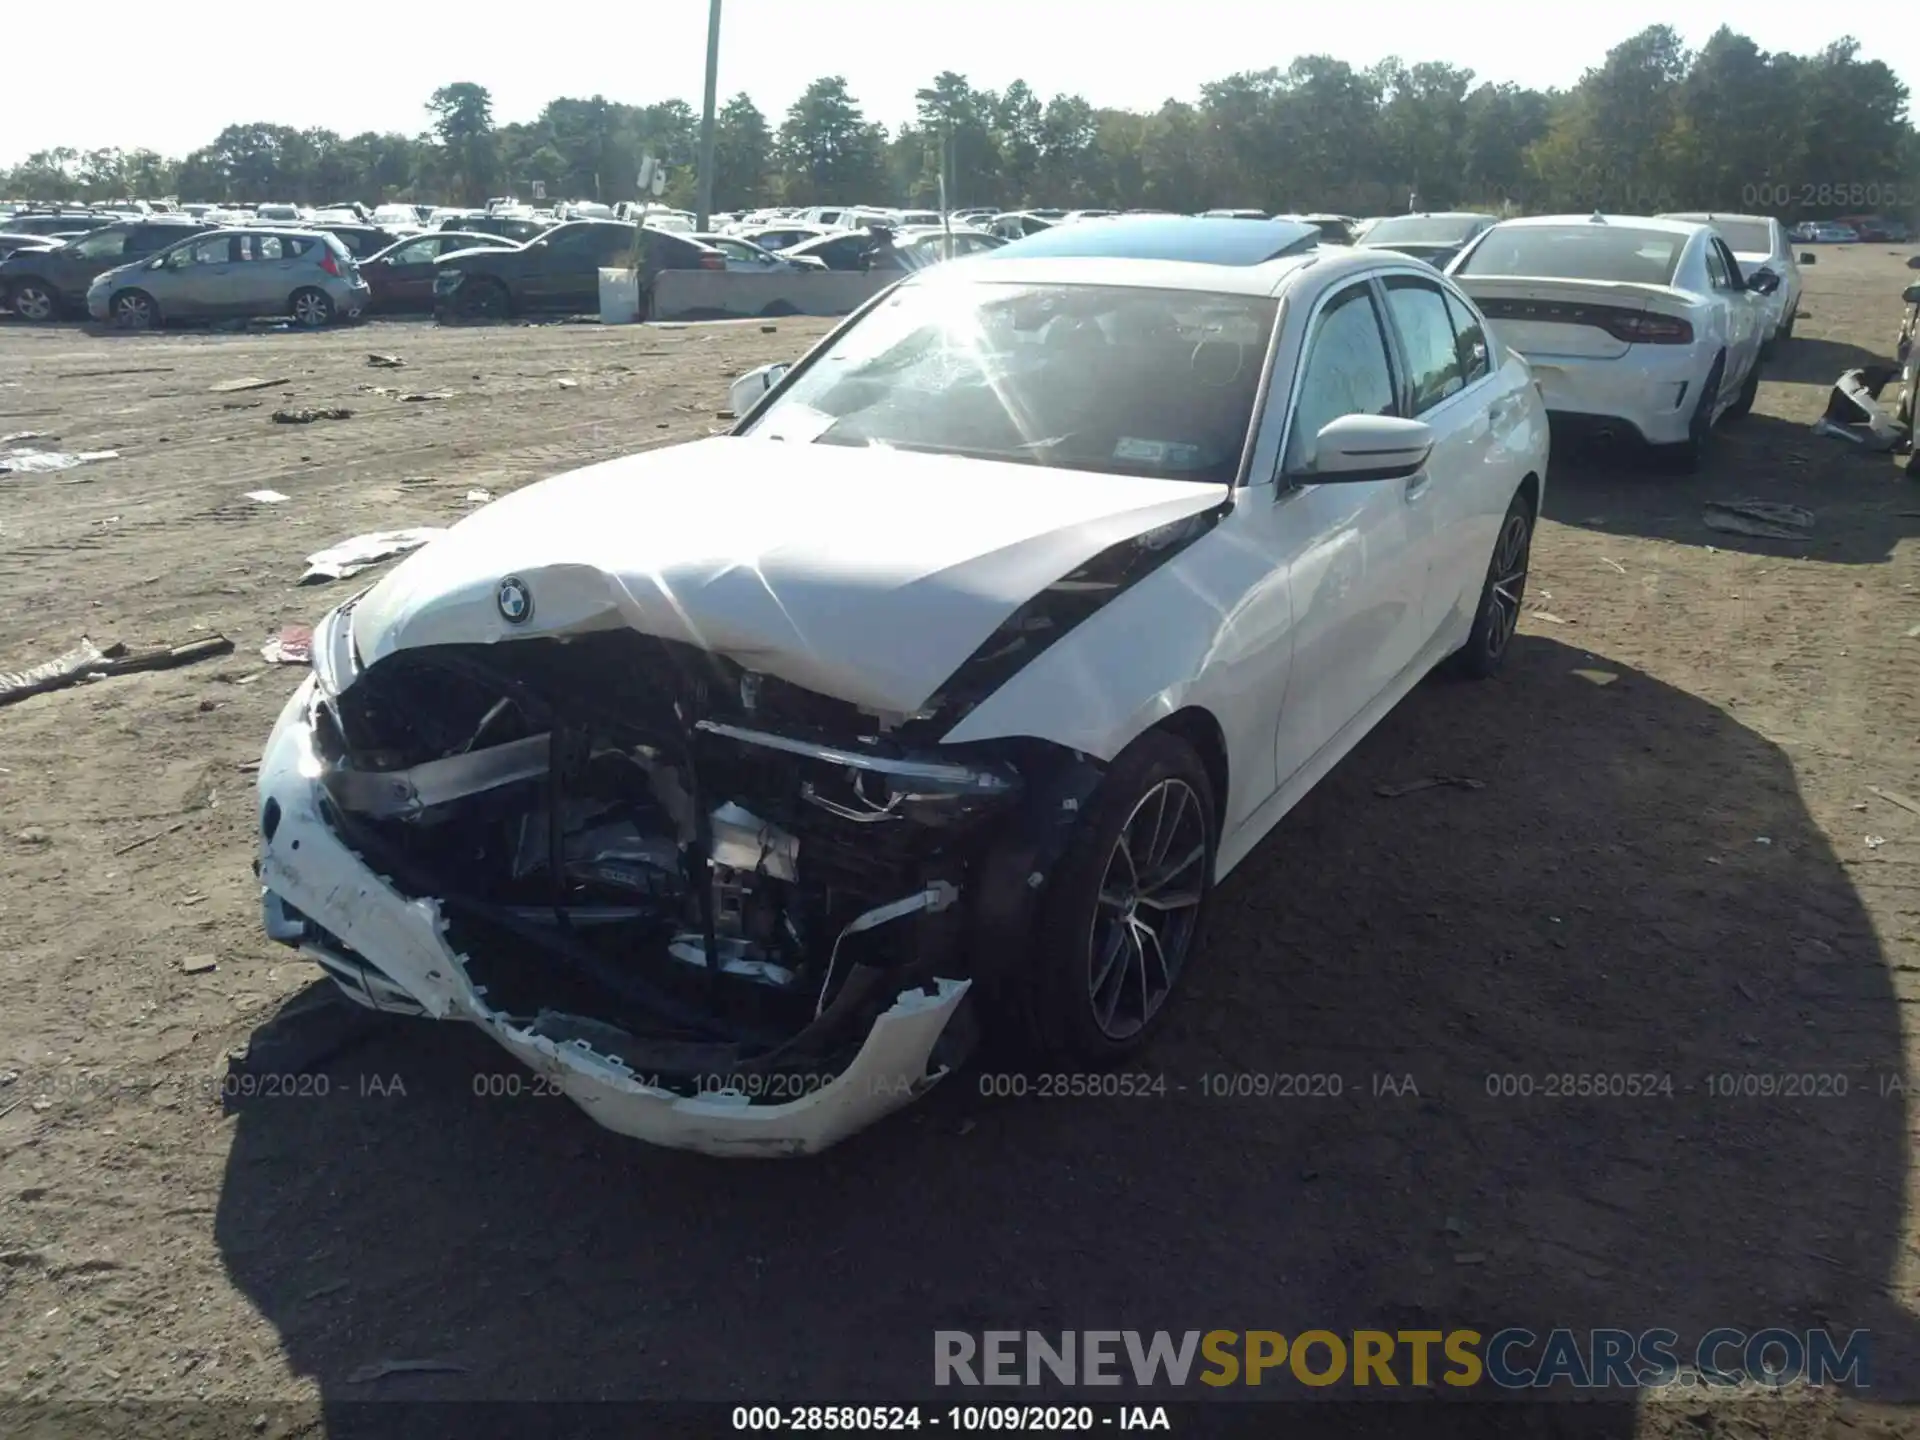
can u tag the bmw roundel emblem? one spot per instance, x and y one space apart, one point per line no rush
515 601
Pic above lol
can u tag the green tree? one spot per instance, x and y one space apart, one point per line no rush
463 119
827 151
742 156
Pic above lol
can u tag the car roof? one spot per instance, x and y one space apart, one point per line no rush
1708 217
1436 215
1180 238
1665 224
996 267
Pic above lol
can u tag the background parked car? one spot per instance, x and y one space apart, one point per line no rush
517 228
401 276
282 214
225 274
1434 238
46 284
743 255
1759 242
10 242
559 271
361 240
1634 326
58 222
782 236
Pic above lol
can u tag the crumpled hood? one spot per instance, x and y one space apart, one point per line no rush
861 573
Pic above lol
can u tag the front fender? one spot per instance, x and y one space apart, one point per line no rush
1211 629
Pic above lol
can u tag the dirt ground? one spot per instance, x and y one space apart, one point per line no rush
1682 862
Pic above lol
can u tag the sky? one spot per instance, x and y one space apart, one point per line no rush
377 71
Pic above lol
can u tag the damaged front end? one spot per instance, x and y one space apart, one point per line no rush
719 911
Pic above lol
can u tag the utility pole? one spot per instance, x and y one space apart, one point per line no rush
705 203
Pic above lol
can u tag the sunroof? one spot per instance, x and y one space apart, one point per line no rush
1173 237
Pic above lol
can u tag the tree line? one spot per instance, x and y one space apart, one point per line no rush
1653 126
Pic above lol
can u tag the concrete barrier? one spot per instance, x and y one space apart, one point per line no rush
742 295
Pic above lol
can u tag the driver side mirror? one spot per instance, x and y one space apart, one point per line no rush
1911 295
1358 448
1807 257
1763 281
745 392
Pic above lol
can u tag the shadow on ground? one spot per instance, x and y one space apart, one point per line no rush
1863 503
1601 908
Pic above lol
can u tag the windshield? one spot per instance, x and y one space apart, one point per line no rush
1423 230
1082 377
1577 252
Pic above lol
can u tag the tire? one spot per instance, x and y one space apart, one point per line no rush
133 310
1691 453
485 299
1505 590
1106 962
34 299
1743 402
311 309
1785 332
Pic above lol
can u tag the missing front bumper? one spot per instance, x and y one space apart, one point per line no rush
391 953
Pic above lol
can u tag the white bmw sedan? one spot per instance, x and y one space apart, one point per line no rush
1633 326
726 785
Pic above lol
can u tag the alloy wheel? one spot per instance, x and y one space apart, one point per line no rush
312 309
133 312
1148 906
1508 585
33 302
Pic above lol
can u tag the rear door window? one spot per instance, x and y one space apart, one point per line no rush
1471 340
1419 311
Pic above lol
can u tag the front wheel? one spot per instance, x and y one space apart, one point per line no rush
484 300
1500 598
133 310
312 310
36 300
1122 916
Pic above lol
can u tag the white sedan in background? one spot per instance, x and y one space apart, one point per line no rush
719 783
1633 326
1759 242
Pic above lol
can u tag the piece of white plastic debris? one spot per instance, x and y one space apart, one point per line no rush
479 497
266 497
1874 842
27 461
350 557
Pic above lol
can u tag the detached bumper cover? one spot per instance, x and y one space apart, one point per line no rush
402 943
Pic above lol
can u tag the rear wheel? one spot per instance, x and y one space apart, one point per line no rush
1691 453
1743 402
36 300
133 310
1500 598
311 308
1122 915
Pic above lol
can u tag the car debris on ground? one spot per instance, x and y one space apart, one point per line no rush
292 646
1763 519
350 557
266 497
1854 412
250 382
310 414
87 661
385 362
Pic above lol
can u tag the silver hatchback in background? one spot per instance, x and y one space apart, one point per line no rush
235 274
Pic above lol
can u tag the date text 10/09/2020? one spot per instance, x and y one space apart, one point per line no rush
1040 1418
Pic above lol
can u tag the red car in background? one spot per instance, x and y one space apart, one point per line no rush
402 274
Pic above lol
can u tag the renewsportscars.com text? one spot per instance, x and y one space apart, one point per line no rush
1509 1359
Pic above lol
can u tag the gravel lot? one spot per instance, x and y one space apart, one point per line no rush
1680 863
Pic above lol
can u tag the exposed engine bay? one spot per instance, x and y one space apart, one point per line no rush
652 853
